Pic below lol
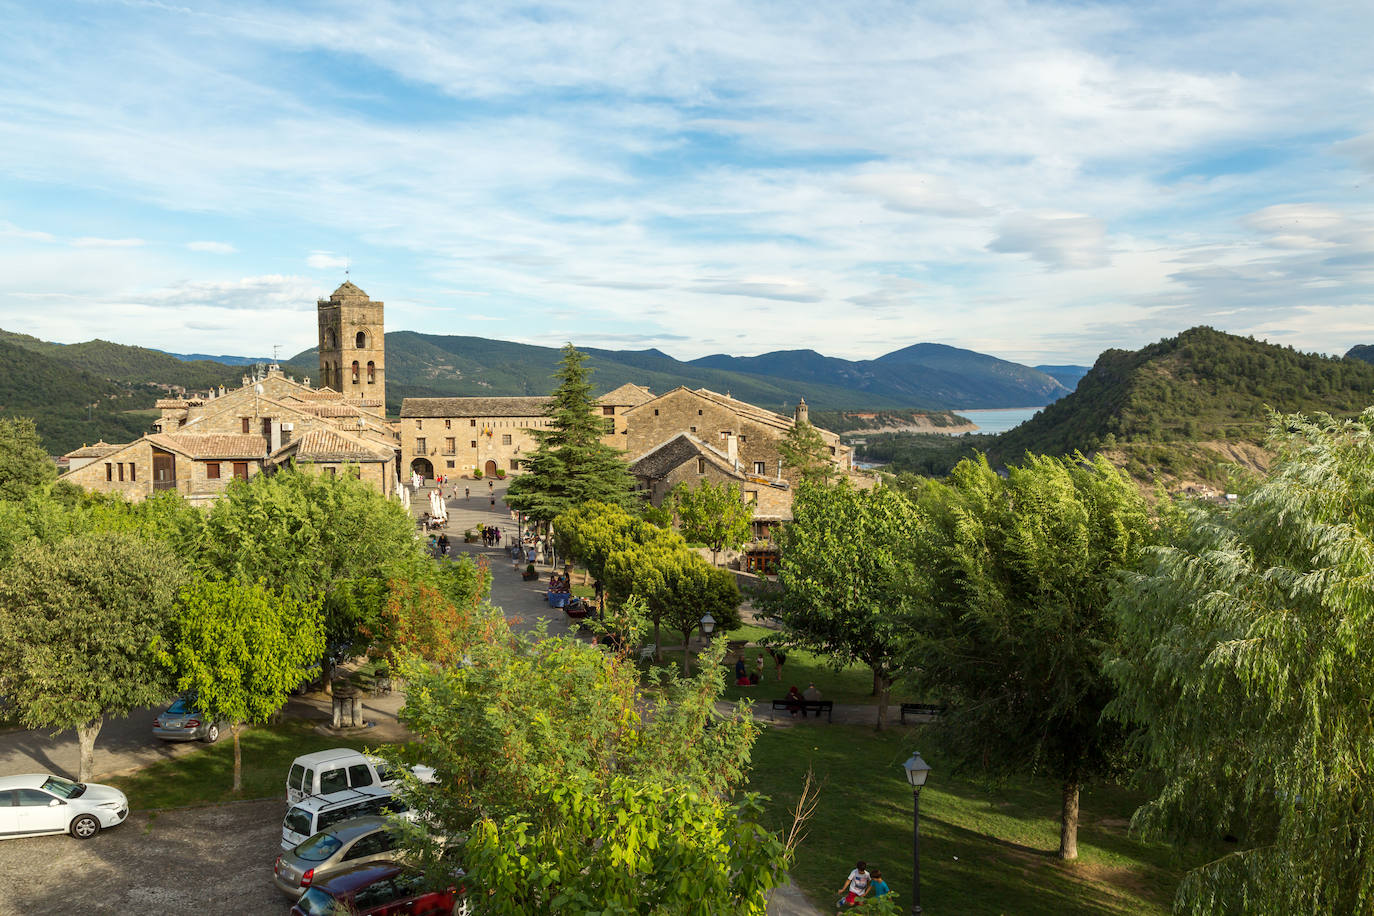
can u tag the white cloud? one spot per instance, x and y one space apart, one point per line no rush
92 242
1060 240
212 247
323 260
10 230
913 192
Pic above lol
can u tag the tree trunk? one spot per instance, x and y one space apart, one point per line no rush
658 652
85 739
883 688
1068 823
238 758
686 653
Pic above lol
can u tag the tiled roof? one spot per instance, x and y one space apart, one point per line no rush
746 410
331 410
330 445
318 394
474 407
171 403
628 394
347 290
99 450
660 461
210 446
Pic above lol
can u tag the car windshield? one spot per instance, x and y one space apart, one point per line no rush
318 848
63 788
298 821
180 707
316 902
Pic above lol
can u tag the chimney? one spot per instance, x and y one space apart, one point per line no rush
221 391
800 415
306 381
732 449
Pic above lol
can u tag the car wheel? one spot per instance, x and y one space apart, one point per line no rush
85 826
211 734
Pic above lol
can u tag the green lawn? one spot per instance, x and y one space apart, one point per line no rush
984 850
206 775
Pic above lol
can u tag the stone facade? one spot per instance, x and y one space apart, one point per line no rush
198 466
352 344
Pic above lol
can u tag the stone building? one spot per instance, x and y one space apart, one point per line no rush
199 444
457 436
352 344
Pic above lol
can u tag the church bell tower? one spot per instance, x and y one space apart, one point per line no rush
352 345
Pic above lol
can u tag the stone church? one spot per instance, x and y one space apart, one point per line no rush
201 443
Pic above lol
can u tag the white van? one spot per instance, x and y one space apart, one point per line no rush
334 770
320 812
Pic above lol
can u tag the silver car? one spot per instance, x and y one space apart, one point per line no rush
183 722
352 842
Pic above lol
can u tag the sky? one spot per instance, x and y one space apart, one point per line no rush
1035 180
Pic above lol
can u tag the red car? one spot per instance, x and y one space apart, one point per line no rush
377 889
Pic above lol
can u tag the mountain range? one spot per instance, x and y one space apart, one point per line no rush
929 376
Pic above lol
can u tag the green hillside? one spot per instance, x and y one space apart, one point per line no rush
61 397
1201 385
134 365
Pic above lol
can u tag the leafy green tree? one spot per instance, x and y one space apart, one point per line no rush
715 515
242 648
804 451
559 796
844 573
24 462
80 624
1247 659
571 465
692 589
1014 619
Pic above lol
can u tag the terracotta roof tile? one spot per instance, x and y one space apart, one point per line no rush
99 450
474 407
331 445
210 446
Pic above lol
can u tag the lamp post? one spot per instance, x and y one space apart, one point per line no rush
708 625
916 772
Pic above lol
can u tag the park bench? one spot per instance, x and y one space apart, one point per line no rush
806 706
921 709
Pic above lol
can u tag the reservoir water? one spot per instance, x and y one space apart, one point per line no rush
999 420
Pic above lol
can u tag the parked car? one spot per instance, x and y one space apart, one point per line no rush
356 841
320 812
33 804
182 721
378 889
341 768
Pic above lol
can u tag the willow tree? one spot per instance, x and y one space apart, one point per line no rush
571 465
1249 661
1014 579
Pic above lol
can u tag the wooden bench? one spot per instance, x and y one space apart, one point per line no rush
816 706
921 709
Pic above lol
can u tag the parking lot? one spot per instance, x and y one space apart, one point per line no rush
189 860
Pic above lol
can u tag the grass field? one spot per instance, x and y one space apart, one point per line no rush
207 775
984 849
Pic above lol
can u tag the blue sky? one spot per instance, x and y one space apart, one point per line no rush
1038 181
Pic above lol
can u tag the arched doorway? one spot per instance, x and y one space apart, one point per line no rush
422 467
490 469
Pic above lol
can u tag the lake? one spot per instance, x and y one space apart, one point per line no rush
999 420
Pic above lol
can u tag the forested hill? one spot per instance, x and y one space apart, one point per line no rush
133 365
1201 385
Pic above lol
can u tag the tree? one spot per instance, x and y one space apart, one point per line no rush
844 574
804 450
717 516
1014 619
692 589
80 623
559 796
1247 660
242 648
570 465
24 463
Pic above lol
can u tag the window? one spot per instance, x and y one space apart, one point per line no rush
360 774
692 429
608 411
515 464
505 438
333 780
698 413
374 844
420 445
355 372
472 423
655 411
32 798
751 496
355 472
360 341
212 470
448 464
371 372
132 473
472 443
109 471
244 423
121 472
448 424
760 467
331 472
743 439
832 449
241 470
701 465
610 426
419 424
450 445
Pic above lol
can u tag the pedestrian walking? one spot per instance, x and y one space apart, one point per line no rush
467 493
493 502
779 659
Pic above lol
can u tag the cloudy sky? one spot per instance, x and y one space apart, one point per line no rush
1034 180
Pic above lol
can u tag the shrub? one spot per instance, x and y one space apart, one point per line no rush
477 474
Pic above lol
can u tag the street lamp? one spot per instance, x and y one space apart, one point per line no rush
708 625
916 772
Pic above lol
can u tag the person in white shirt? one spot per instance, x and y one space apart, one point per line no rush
855 886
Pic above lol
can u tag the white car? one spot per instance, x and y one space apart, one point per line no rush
36 803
